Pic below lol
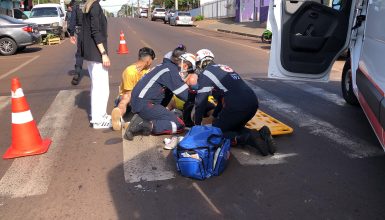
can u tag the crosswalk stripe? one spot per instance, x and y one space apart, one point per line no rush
144 160
352 146
29 176
4 102
322 93
252 158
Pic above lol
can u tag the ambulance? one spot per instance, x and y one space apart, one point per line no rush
308 36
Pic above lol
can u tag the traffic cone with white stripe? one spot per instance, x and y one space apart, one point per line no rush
26 139
122 45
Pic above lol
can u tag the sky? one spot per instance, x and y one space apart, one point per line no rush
115 5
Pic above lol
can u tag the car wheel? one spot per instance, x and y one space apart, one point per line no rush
347 84
21 48
7 46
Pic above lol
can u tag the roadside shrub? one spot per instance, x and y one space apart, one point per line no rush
199 18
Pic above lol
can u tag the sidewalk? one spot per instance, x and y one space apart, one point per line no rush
250 29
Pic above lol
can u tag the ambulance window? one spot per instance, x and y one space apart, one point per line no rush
335 4
293 6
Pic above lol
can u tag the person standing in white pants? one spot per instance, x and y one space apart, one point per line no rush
100 92
94 50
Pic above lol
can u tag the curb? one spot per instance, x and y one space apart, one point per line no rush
239 33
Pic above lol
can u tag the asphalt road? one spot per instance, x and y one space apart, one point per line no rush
331 167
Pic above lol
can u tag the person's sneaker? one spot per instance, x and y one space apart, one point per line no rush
106 123
170 143
116 119
256 141
75 79
266 136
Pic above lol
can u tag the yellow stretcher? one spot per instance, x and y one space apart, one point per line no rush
276 127
257 122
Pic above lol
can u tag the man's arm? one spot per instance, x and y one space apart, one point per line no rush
72 25
96 34
124 101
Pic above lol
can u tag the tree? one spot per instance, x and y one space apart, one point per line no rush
125 11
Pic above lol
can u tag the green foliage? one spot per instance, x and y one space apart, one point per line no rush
199 18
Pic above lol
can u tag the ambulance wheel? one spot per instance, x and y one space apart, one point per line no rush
347 84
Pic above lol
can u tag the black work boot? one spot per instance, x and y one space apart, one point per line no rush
266 136
137 126
76 79
255 140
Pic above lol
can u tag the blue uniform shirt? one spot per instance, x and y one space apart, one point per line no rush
151 88
226 86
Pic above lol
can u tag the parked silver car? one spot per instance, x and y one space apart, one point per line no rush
16 35
181 18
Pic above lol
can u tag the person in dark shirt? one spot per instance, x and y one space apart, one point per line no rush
74 27
95 51
151 114
237 102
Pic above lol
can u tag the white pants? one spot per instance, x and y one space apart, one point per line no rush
100 90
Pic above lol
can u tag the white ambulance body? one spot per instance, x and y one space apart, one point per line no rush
308 36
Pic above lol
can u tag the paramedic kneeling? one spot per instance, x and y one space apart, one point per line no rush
151 116
130 77
237 103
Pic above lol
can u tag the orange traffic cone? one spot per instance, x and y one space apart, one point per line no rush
122 45
26 139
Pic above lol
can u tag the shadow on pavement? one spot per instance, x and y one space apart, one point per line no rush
30 50
83 101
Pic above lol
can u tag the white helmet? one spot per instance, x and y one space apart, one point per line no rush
168 55
189 57
204 55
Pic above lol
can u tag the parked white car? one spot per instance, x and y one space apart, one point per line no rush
181 18
143 14
50 18
158 13
308 37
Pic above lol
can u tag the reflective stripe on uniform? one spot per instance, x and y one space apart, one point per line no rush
205 89
215 80
22 117
151 82
180 89
174 127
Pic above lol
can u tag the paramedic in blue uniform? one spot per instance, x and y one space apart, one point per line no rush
151 117
237 102
74 27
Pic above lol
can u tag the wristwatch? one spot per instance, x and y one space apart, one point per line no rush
104 53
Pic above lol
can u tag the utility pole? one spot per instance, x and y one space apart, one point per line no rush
176 5
149 8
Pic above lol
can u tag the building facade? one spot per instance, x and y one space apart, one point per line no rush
240 10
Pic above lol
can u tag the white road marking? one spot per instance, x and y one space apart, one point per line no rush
4 102
228 41
247 157
29 176
208 200
145 160
15 57
328 96
18 67
351 146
